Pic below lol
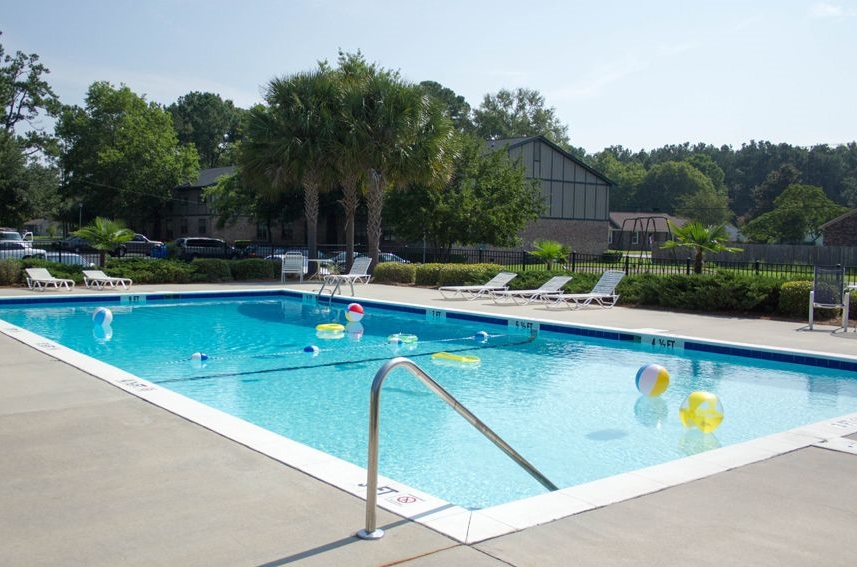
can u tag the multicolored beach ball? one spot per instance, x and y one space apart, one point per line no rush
354 312
652 380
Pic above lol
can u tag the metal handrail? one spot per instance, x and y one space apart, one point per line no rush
372 531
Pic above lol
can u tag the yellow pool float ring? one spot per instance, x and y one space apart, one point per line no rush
462 358
330 327
401 338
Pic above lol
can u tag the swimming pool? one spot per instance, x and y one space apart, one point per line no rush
564 397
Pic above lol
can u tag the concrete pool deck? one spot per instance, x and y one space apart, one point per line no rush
93 476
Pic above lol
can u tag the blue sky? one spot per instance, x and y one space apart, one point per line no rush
636 74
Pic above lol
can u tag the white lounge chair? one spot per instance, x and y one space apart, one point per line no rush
499 282
359 271
293 263
546 291
41 279
99 280
603 293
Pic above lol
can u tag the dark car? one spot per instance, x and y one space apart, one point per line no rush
260 251
192 247
77 245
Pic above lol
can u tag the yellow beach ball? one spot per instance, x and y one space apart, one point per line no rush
701 410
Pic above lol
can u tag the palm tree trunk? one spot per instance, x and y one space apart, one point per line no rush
375 204
349 204
311 184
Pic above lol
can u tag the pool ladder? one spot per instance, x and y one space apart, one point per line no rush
371 531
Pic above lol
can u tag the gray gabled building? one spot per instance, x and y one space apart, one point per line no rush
576 196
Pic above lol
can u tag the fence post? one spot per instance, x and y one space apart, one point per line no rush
687 267
756 266
573 260
627 264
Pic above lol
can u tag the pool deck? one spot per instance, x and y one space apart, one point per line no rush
95 476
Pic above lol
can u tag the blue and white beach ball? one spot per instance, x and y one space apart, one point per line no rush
652 380
102 317
481 337
354 313
311 349
199 356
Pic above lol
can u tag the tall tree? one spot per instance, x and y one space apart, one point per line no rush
797 215
489 201
120 156
24 95
288 141
666 183
456 105
208 122
775 183
407 138
519 113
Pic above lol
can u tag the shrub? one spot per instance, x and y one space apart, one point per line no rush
211 270
63 271
254 269
394 273
10 271
467 274
150 271
534 278
794 299
427 274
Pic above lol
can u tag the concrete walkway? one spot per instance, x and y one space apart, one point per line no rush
94 476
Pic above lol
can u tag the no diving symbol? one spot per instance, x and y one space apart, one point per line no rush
406 499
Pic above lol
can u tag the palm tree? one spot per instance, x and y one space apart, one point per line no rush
104 235
407 138
550 251
288 142
701 239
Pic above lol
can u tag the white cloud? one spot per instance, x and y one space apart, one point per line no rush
823 10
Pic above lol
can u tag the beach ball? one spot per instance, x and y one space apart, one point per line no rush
652 380
199 356
701 410
311 349
481 337
102 316
354 312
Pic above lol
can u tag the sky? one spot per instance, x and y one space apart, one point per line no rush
640 75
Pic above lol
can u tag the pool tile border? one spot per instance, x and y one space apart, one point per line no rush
458 523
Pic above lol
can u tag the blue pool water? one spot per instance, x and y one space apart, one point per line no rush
566 402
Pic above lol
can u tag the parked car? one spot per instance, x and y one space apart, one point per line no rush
141 244
10 234
340 257
77 244
388 257
69 258
260 251
192 247
19 250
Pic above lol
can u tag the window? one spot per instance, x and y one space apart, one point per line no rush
635 238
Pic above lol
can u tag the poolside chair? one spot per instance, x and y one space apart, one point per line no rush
359 271
828 292
603 293
100 280
547 290
41 279
292 263
499 282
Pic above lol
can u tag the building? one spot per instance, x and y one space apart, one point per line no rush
640 231
841 231
577 197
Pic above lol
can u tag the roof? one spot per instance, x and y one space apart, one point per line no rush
512 143
838 219
208 177
644 222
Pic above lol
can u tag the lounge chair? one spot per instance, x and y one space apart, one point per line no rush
293 263
41 279
359 271
546 291
603 293
499 282
100 280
